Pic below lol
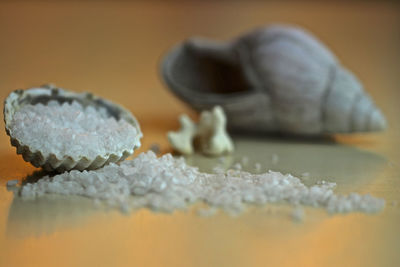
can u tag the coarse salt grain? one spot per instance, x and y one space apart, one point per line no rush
237 166
167 183
298 214
12 182
155 148
69 129
245 160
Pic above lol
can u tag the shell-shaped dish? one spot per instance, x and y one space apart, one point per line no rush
273 79
50 161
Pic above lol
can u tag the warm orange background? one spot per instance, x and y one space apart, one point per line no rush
113 49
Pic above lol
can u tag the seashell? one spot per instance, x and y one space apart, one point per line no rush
273 79
50 161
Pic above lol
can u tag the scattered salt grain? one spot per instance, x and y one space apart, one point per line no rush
155 148
168 183
11 183
305 175
257 166
84 131
298 214
221 160
245 160
237 166
207 212
218 169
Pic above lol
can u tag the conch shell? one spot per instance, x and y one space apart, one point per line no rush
274 79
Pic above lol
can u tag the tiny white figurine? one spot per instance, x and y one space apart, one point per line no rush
210 134
182 140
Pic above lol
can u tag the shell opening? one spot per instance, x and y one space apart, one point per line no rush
205 67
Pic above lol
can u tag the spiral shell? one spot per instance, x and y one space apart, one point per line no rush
50 162
274 79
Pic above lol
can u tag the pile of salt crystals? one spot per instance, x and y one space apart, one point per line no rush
72 129
168 183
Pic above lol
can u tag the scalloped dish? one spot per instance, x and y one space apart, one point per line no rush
60 130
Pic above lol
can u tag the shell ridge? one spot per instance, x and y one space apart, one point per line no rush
356 100
246 60
286 37
325 96
296 39
369 119
257 75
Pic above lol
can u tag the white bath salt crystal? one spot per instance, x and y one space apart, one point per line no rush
245 160
70 129
167 184
11 183
91 190
125 208
207 212
257 166
221 160
237 166
155 148
298 214
218 169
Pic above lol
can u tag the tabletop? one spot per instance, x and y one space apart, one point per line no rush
113 49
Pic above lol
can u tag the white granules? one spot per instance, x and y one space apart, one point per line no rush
166 183
12 183
72 130
298 214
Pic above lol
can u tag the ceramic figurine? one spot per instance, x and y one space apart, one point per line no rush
210 134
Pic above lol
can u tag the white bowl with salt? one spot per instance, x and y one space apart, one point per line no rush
61 130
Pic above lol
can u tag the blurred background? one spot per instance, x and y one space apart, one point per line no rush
113 49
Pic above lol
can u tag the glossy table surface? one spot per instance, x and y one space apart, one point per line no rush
113 49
